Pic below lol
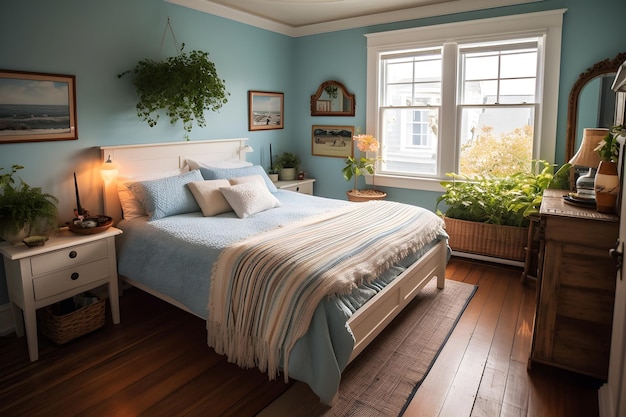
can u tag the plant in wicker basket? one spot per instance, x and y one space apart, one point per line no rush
493 208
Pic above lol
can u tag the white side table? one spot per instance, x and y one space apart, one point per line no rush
304 186
68 264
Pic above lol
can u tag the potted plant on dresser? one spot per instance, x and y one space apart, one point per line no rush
287 164
490 216
606 183
24 210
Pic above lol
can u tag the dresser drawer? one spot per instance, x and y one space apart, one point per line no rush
57 282
64 258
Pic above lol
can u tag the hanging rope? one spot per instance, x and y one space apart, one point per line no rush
168 25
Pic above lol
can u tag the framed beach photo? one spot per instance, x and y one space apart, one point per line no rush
37 107
265 110
335 141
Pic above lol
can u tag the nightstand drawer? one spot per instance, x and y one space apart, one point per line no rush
48 285
67 257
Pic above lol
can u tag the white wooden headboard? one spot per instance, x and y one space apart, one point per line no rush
158 157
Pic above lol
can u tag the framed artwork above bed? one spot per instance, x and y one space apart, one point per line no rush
265 110
37 107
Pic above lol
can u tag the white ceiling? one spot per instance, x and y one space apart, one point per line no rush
307 17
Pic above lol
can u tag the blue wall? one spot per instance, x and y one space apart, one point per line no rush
97 40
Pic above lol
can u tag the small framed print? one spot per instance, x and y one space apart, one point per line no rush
266 110
334 141
37 107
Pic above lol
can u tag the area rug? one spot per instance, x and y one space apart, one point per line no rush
383 379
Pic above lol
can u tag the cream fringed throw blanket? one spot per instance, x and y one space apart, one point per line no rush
265 289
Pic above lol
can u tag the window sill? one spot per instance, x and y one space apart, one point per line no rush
411 183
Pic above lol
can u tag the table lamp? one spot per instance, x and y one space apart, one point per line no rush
589 158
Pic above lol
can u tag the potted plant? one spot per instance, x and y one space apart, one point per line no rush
24 210
606 183
287 164
184 86
361 165
490 216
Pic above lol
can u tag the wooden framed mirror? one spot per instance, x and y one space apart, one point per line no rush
595 83
332 99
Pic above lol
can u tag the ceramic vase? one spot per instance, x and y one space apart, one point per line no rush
606 187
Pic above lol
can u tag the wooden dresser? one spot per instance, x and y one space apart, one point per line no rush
575 287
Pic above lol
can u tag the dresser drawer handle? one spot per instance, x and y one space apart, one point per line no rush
74 276
73 254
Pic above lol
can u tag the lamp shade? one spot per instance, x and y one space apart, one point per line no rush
109 170
586 155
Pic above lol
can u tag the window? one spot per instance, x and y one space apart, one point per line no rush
475 103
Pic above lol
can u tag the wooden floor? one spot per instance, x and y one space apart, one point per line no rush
156 363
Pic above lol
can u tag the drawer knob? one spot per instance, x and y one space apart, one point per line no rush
74 276
73 254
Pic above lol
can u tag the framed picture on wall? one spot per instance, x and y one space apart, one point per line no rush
265 110
335 141
37 107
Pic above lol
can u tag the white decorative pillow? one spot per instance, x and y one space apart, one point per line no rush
227 173
167 196
249 198
196 163
131 207
209 197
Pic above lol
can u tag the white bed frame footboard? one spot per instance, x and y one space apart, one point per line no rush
366 323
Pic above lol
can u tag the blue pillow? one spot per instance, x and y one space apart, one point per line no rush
167 196
228 173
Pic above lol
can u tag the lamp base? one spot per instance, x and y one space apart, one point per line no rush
585 187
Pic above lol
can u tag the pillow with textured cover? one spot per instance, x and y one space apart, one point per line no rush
249 198
209 197
167 196
228 173
131 207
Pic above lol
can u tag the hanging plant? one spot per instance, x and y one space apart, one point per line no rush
184 86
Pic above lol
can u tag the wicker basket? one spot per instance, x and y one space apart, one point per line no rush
506 242
62 329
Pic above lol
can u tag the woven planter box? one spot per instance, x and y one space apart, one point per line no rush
506 242
62 329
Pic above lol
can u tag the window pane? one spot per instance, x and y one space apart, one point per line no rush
518 65
495 140
478 67
410 140
399 70
480 92
517 91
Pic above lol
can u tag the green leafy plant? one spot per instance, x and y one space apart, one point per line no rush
361 165
184 86
24 206
504 201
286 160
608 148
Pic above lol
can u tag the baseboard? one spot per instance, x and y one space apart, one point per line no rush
7 325
487 258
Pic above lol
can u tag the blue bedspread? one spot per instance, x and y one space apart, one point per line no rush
174 256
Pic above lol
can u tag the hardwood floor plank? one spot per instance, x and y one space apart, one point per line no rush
432 394
460 400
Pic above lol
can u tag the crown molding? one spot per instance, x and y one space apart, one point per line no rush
457 6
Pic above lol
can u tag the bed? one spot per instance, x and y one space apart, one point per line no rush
210 264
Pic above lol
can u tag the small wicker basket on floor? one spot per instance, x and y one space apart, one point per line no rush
62 329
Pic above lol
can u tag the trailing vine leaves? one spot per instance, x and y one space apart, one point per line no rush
184 86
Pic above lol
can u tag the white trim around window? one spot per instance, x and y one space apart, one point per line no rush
517 26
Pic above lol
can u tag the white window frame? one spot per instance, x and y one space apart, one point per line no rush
547 24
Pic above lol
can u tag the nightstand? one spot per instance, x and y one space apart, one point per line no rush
304 186
68 264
